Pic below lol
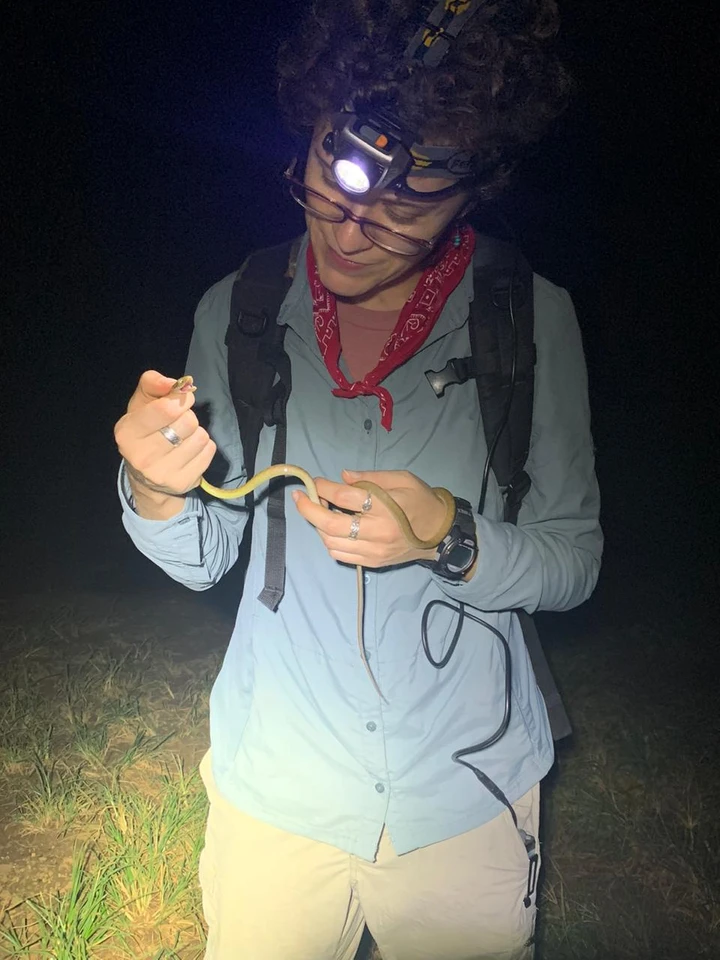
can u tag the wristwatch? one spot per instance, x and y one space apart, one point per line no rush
458 551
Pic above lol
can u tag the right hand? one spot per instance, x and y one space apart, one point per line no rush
155 467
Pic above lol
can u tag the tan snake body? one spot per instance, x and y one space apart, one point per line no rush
288 470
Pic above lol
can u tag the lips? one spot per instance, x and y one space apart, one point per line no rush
340 263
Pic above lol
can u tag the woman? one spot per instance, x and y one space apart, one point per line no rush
335 800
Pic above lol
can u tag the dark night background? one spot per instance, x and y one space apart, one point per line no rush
144 163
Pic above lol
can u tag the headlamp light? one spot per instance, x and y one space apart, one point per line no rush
351 174
368 151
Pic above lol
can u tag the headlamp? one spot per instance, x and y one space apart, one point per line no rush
372 152
369 153
370 147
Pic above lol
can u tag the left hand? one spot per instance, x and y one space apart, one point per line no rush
380 541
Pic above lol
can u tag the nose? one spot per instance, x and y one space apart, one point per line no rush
350 239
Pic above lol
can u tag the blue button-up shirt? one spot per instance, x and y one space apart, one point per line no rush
299 736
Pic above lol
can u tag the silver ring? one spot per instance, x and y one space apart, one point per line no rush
367 504
354 528
171 436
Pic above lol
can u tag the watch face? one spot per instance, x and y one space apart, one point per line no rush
460 557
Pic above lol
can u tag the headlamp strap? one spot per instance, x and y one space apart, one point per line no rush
434 37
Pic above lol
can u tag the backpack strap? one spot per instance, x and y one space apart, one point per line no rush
496 266
260 380
490 364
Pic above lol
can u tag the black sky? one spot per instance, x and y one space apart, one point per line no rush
144 161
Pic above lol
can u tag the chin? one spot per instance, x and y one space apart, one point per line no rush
342 285
332 277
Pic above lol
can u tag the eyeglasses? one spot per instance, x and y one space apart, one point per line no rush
320 206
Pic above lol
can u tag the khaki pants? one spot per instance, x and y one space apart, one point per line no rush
271 895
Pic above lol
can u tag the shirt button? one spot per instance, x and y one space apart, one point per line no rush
380 787
368 425
371 726
366 578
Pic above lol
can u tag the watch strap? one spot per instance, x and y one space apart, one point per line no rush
461 533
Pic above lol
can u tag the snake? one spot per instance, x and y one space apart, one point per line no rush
185 384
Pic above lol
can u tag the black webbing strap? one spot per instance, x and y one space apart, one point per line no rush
557 714
275 550
497 265
260 380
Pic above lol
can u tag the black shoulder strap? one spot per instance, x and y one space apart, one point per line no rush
499 265
260 380
496 265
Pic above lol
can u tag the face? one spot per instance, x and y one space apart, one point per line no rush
350 265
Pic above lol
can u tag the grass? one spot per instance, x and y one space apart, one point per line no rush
103 721
99 743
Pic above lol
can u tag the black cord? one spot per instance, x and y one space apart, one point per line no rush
460 608
439 664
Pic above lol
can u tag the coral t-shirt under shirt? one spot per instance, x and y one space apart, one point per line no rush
363 334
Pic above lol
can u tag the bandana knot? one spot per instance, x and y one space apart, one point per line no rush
416 320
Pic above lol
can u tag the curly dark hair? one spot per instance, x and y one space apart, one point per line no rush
495 93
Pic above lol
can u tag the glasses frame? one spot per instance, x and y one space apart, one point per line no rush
424 246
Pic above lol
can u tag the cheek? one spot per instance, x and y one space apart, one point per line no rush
318 230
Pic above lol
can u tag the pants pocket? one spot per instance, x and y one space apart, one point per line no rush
527 847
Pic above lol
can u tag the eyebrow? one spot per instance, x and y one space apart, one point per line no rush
416 206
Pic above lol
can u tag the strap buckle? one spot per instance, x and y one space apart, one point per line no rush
516 489
275 407
252 324
457 370
533 861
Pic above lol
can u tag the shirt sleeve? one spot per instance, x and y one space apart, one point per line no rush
201 543
551 559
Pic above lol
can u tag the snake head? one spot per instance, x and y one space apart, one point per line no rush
183 385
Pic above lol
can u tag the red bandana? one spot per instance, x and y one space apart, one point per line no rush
416 320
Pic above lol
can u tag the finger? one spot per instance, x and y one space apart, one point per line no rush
171 411
350 558
355 552
153 385
191 436
326 522
191 457
150 452
175 468
387 479
341 494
